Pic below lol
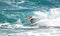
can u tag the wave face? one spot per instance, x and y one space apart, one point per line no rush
14 17
13 10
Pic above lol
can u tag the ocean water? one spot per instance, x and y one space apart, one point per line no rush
14 17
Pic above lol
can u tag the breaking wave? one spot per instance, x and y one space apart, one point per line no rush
42 19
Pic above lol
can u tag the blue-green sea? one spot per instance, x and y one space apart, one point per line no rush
29 17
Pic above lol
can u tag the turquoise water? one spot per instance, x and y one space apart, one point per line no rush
14 20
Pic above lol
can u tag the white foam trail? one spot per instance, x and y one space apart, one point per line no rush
21 26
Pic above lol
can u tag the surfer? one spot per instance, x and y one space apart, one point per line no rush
31 19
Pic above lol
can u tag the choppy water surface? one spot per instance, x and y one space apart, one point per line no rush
30 32
14 20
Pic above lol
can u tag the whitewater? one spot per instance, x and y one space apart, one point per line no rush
47 26
13 20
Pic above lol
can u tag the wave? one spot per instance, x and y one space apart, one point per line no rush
48 19
45 22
